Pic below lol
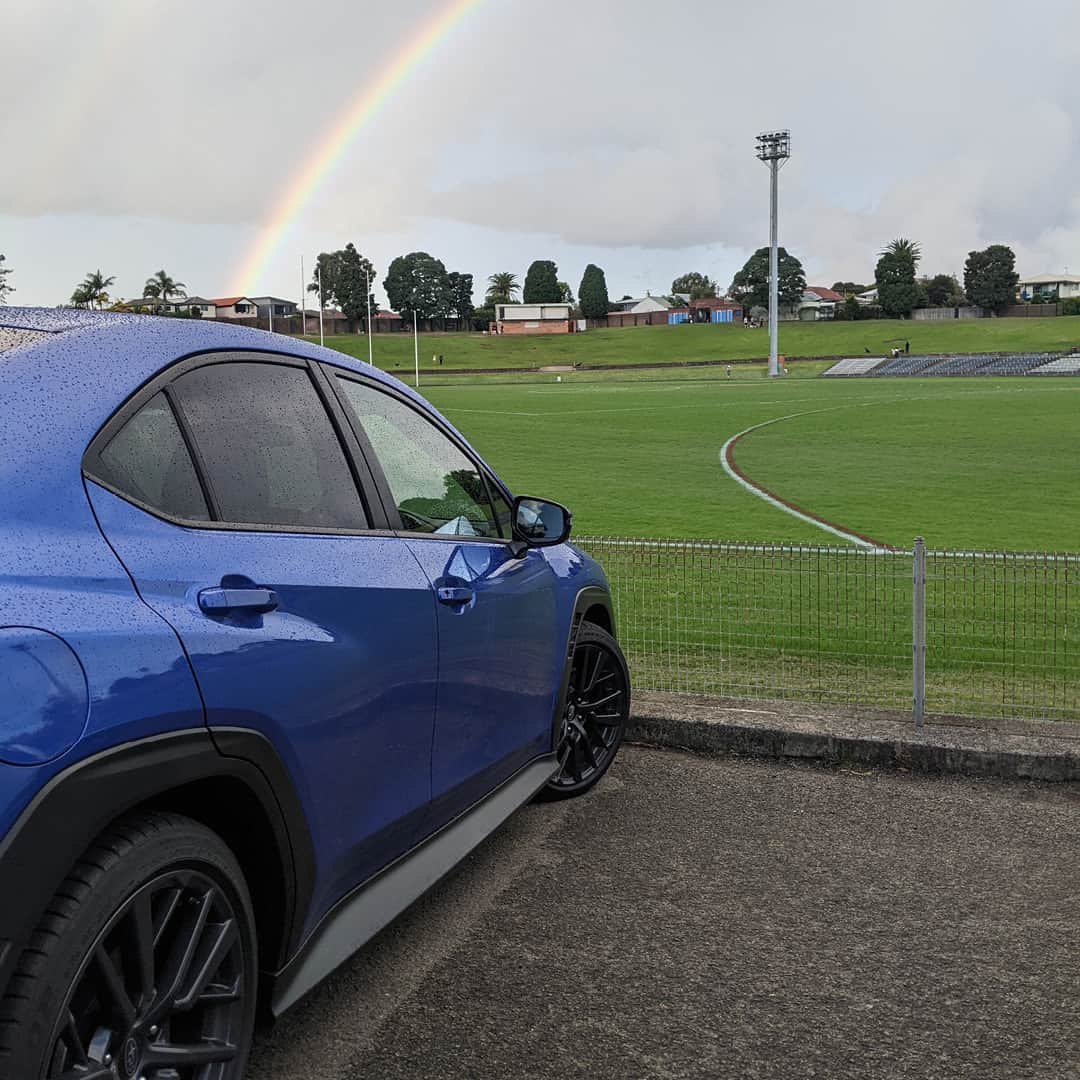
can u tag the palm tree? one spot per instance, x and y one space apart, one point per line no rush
93 290
502 287
904 248
161 286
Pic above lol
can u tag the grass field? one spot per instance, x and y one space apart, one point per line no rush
966 463
666 344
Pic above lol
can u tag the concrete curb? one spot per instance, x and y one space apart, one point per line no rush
1017 751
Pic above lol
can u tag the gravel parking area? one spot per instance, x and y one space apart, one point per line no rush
702 917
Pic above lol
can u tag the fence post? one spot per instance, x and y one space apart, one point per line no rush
918 631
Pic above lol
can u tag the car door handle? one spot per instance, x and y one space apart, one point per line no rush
216 601
450 594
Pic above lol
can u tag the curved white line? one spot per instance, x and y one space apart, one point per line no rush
761 493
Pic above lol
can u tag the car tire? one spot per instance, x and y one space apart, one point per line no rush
144 963
595 715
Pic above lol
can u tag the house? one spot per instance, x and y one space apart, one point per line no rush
150 305
867 298
534 319
198 305
817 303
1048 288
384 321
273 305
235 307
641 305
714 309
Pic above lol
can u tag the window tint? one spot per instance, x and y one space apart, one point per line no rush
147 460
435 487
271 455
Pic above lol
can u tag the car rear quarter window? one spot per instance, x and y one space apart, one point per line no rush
148 461
436 487
270 453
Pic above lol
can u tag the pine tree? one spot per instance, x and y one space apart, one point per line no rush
542 283
593 294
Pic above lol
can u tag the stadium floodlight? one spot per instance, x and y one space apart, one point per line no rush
773 148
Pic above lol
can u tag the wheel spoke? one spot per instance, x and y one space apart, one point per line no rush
114 986
600 659
181 958
589 705
141 927
168 909
226 937
210 1052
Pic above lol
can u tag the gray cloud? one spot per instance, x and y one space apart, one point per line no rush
611 124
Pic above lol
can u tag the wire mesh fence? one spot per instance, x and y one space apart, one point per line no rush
834 625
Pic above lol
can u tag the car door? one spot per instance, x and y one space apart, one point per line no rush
227 491
500 654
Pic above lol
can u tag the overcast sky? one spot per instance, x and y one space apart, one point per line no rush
138 134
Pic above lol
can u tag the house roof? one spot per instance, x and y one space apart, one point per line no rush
714 303
825 294
228 301
268 299
386 315
1051 279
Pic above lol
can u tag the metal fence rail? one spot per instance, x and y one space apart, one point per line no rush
839 625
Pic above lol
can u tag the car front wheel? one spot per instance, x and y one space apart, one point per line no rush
144 965
595 715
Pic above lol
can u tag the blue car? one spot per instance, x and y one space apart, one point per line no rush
277 649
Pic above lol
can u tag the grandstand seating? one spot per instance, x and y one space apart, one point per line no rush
905 365
860 365
1063 365
970 364
1015 364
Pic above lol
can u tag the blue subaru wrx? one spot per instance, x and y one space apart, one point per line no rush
277 649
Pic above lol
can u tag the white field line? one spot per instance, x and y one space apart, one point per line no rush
762 494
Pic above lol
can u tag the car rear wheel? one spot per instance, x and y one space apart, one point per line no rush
595 715
144 965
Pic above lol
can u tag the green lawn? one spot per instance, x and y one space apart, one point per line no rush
966 463
668 344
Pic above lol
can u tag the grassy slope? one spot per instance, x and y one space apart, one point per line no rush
964 462
660 344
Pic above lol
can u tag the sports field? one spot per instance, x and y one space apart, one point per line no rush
675 344
989 464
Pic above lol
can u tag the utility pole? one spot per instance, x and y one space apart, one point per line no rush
774 148
321 306
367 277
303 307
416 348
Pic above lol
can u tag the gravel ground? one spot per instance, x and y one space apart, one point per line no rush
701 917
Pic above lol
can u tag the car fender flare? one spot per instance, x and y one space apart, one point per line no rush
77 804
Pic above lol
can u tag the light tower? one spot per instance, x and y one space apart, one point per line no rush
774 148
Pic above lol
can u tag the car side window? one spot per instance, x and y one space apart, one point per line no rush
147 460
268 447
435 486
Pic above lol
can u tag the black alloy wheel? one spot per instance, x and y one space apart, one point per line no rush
595 715
166 988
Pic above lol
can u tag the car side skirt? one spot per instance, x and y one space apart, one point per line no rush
358 917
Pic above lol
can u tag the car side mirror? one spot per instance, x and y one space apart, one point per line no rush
539 523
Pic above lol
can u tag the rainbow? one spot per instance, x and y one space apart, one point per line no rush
336 140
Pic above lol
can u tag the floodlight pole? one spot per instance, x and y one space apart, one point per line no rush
774 148
416 348
322 304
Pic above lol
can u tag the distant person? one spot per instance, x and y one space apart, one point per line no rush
907 347
729 371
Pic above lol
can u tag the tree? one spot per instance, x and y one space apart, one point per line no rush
699 286
417 282
903 248
849 288
503 288
5 288
345 277
990 277
459 290
542 283
92 291
943 290
898 293
593 294
161 286
566 294
750 286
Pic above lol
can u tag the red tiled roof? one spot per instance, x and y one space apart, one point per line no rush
227 301
825 294
714 303
387 315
